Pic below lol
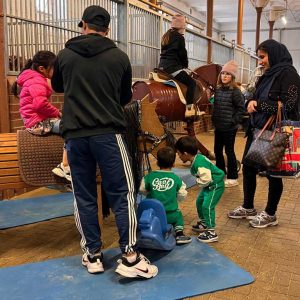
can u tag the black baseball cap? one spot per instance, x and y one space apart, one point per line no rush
96 15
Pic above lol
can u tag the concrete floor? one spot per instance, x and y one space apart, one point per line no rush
271 255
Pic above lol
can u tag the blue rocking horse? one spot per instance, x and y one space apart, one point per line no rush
153 230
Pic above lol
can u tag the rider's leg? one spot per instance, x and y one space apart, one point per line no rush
191 87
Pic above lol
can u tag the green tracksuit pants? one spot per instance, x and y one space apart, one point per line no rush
176 219
206 202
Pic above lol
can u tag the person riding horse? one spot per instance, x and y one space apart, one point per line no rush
174 60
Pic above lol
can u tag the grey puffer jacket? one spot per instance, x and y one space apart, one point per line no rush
229 108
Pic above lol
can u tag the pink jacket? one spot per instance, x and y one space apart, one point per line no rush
34 104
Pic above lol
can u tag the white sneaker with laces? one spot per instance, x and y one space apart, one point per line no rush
62 171
141 267
231 182
93 263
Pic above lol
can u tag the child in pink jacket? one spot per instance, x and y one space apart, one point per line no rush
39 115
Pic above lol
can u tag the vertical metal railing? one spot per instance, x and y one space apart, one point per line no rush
33 25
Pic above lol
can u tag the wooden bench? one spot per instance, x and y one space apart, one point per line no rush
11 182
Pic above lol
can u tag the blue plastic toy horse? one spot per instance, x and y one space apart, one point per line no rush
154 231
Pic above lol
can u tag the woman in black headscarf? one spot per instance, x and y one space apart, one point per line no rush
280 81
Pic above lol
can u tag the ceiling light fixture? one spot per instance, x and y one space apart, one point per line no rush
283 19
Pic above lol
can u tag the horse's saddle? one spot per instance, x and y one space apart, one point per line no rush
37 156
162 76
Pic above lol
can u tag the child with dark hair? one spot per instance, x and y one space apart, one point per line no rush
168 188
210 180
40 117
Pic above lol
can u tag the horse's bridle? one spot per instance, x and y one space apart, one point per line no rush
156 140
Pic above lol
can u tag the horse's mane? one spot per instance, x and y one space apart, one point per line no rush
131 111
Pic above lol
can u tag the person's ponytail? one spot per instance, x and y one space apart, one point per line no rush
15 89
28 65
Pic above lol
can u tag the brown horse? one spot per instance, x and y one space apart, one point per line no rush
168 104
155 103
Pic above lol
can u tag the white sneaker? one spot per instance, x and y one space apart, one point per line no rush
141 267
93 263
231 182
62 171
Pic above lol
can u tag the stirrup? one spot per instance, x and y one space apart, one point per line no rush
190 111
193 111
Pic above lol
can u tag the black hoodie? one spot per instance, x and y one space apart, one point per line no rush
95 77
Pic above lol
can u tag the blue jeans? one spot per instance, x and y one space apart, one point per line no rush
109 151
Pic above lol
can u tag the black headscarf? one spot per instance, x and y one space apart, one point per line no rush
279 56
279 59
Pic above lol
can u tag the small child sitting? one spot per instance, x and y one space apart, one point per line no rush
167 187
210 179
40 117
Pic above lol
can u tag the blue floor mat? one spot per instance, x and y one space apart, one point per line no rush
186 176
27 211
187 271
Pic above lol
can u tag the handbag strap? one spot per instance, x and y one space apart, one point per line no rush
278 121
278 116
271 120
268 123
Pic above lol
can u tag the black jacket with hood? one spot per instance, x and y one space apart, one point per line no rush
95 77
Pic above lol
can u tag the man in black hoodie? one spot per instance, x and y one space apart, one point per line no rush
95 77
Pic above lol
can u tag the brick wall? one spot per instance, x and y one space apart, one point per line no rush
203 125
16 122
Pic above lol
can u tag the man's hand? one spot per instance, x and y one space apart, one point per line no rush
252 106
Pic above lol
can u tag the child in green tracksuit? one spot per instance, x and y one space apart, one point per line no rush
167 187
210 179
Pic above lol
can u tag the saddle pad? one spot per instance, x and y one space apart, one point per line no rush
38 155
154 76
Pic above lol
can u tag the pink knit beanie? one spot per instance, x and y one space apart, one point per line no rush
231 67
178 22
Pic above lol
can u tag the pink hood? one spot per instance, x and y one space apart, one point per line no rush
34 104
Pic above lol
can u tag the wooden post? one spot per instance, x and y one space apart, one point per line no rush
4 108
209 22
240 22
271 26
258 17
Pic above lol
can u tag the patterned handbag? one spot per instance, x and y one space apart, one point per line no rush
268 146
